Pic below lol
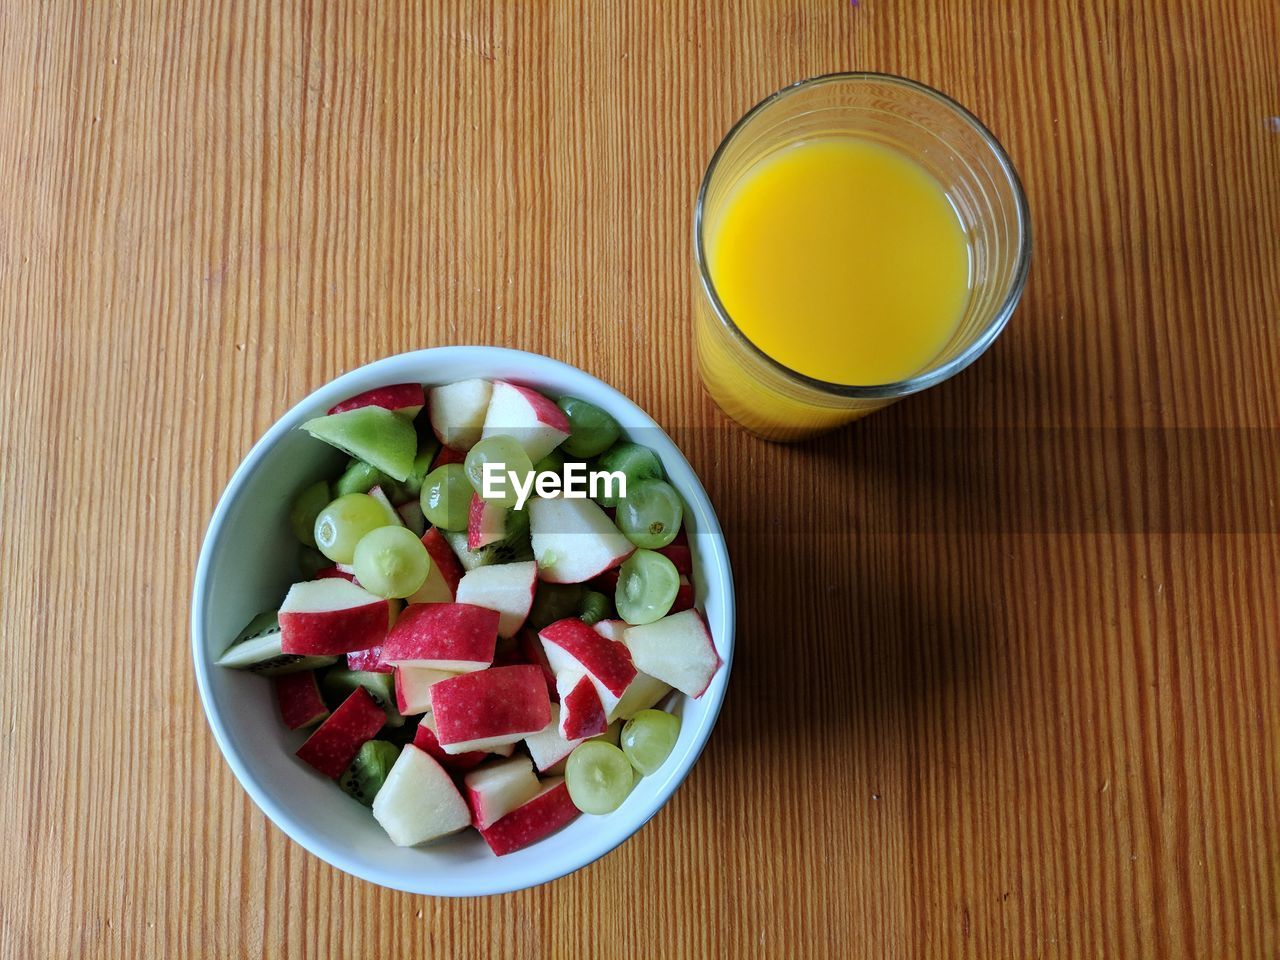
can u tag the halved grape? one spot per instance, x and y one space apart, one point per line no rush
599 777
634 462
650 513
341 524
647 587
391 562
648 739
446 497
592 430
507 455
306 507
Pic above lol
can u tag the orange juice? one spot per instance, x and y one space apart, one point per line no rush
840 258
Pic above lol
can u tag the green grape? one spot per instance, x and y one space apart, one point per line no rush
508 455
360 477
648 739
599 777
592 430
594 607
553 462
634 462
391 562
341 524
446 497
647 587
650 513
307 506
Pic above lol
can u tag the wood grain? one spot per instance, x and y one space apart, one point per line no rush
1007 679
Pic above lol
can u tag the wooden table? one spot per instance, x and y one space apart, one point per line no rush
1006 681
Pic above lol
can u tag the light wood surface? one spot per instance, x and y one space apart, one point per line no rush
1007 680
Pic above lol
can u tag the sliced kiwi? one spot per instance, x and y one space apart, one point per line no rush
375 435
515 546
339 683
594 607
257 649
555 601
368 771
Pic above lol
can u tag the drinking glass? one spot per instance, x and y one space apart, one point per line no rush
926 126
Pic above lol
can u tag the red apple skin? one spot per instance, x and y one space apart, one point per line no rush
405 398
684 597
581 712
425 740
531 821
482 513
443 631
607 660
678 552
299 698
334 573
497 702
337 741
334 632
447 455
531 649
369 660
443 558
546 411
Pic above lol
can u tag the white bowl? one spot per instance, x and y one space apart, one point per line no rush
249 559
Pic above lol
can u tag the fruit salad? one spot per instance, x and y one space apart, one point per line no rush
474 642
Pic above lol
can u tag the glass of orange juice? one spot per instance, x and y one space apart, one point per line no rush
859 237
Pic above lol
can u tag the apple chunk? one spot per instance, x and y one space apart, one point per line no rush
547 746
574 540
581 712
441 584
406 399
573 647
424 738
458 637
644 691
418 801
533 820
330 617
492 708
498 787
677 649
537 424
458 411
505 587
337 741
486 522
299 698
413 688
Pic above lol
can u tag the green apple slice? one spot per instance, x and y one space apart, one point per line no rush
375 435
